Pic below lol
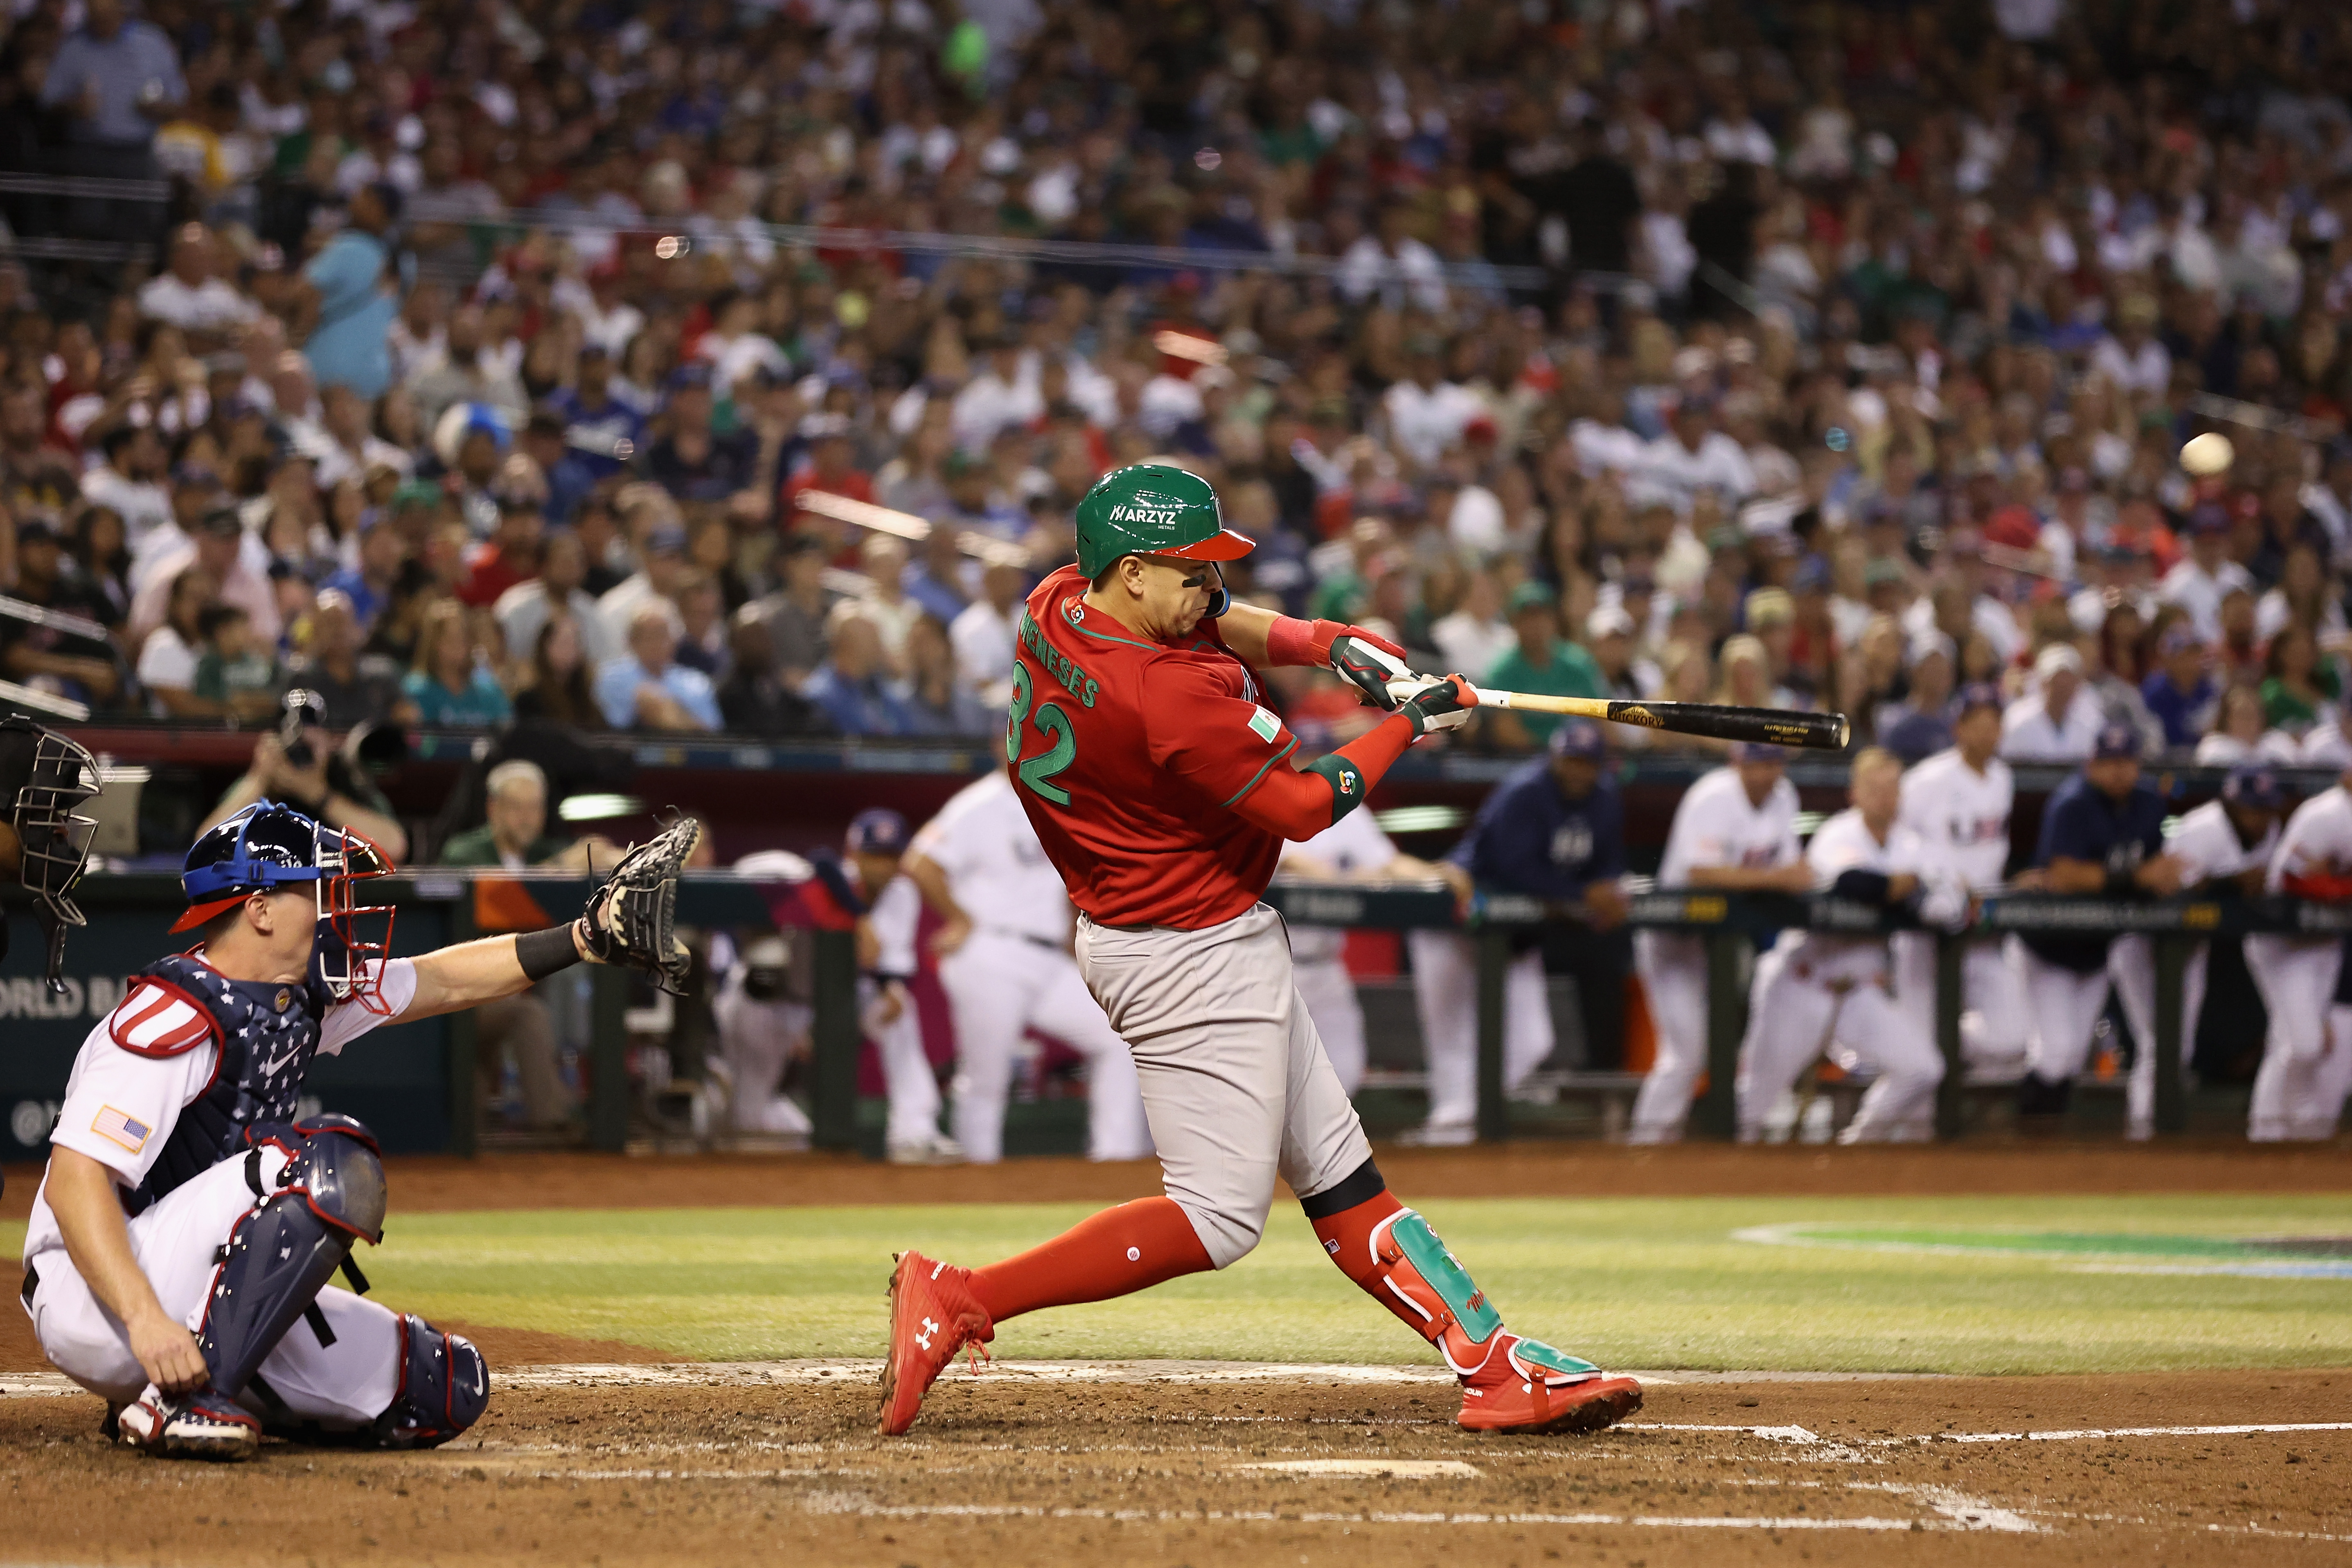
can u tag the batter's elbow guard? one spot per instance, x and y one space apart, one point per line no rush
1346 781
445 1386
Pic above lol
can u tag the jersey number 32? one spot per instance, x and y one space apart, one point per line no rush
1053 726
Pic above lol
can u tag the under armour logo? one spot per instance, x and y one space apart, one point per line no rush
924 1338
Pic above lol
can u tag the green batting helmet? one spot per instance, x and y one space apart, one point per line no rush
1153 508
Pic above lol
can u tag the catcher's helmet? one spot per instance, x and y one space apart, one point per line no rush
1153 508
267 847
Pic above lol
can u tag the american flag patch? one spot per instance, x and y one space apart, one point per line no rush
127 1131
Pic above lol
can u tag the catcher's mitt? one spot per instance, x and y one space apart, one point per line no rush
629 917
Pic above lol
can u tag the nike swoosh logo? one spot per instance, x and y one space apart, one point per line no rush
269 1068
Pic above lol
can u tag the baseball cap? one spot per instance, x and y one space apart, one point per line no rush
416 493
2057 658
40 530
1981 694
877 831
2115 740
1532 596
1608 621
696 376
2252 784
223 521
1578 737
1881 573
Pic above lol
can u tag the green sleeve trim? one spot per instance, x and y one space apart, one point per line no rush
1261 772
1346 781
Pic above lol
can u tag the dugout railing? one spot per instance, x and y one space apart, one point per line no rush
424 1090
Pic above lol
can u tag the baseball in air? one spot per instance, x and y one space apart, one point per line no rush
2207 454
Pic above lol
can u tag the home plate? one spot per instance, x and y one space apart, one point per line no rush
1410 1470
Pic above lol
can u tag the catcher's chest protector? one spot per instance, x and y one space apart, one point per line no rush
268 1034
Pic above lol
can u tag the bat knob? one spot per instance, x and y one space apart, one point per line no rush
1844 732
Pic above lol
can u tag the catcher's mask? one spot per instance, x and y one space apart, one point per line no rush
43 777
267 846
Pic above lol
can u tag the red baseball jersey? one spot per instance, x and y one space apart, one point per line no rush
1129 756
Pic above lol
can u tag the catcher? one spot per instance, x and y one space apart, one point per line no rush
179 1250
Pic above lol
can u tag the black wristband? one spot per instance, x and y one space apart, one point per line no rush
543 953
2121 885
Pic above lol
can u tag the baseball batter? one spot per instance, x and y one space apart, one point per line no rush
1162 789
1353 849
887 961
2307 1056
1735 829
2228 840
2102 832
1005 960
179 1249
1816 986
1959 802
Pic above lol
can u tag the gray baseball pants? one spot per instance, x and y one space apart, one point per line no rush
1235 1083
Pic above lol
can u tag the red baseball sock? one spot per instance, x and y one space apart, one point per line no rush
1347 1235
1114 1253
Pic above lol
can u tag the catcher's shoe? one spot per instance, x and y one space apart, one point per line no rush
1525 1386
933 1314
199 1426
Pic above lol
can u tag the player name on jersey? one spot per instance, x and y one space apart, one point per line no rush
1073 679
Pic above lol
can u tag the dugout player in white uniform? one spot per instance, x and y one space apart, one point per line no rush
1736 831
2228 840
1005 963
1816 986
887 961
2307 1066
2102 835
1353 849
1959 802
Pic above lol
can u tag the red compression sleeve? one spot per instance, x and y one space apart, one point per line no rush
1290 641
1114 1253
1300 805
2321 886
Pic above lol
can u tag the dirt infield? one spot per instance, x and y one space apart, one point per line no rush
431 1184
1008 1470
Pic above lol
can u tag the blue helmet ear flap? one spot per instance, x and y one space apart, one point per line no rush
1218 603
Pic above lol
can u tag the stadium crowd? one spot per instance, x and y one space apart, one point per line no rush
519 361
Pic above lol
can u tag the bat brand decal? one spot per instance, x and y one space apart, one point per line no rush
1634 713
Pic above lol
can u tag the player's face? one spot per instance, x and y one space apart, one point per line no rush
2112 776
1758 775
874 870
1878 792
1576 776
1979 730
1176 592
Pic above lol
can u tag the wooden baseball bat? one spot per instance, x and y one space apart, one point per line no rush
1772 726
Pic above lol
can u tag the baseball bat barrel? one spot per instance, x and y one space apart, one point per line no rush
1770 726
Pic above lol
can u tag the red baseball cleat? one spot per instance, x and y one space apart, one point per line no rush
1525 1386
933 1314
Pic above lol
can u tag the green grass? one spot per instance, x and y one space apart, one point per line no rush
1647 1282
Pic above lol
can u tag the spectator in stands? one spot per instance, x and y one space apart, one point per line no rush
797 612
447 685
383 549
850 688
219 548
99 560
692 460
560 582
2242 733
191 295
2058 722
315 776
112 82
647 688
167 660
1542 663
520 1029
233 670
2299 688
982 634
509 557
754 699
2179 691
343 312
128 478
73 665
357 688
556 687
938 701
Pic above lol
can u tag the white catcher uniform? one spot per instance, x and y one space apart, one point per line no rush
1015 972
119 1108
1815 985
1962 818
1353 847
1714 826
2307 1055
758 1034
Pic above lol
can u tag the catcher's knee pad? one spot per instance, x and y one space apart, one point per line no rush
1416 1268
281 1254
445 1386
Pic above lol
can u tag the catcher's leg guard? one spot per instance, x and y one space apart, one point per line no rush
445 1386
282 1253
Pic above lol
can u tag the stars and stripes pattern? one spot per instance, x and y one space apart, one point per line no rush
159 1019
